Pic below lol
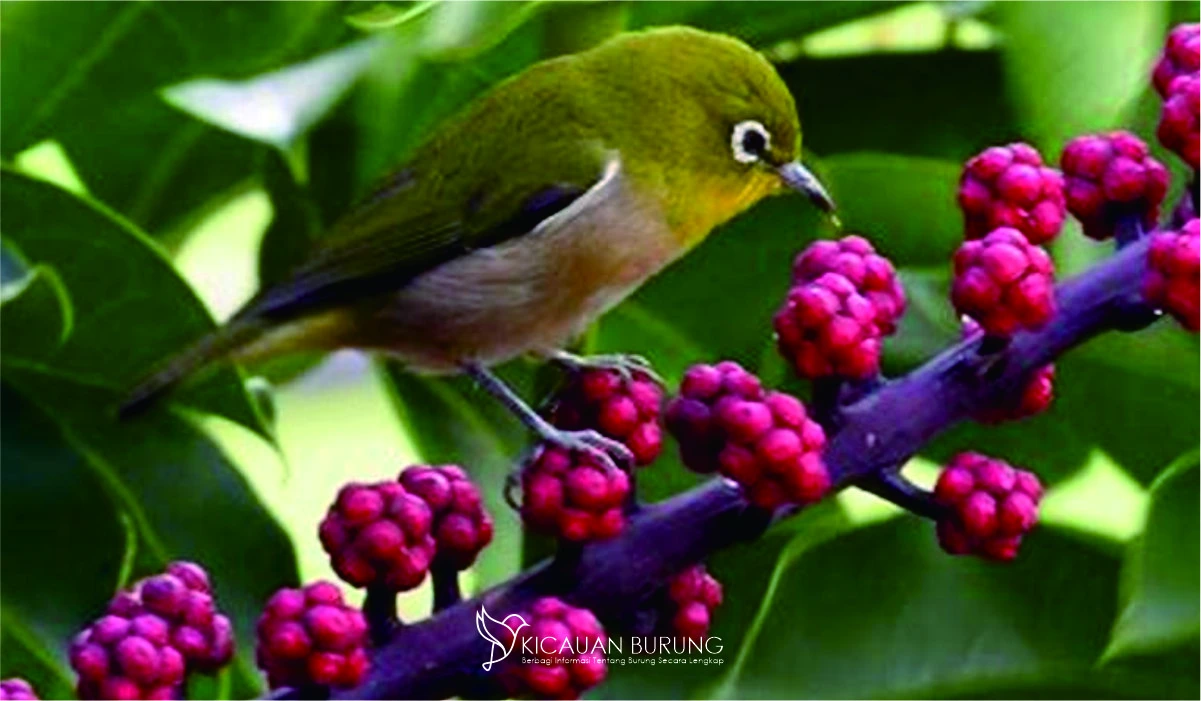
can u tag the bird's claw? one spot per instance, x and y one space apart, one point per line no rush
625 364
601 449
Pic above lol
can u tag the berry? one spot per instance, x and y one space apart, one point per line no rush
1178 122
16 689
990 506
725 421
624 408
461 527
872 274
1179 57
1035 396
569 644
1171 280
827 327
1110 176
1010 186
379 535
311 636
569 495
1004 283
153 634
693 595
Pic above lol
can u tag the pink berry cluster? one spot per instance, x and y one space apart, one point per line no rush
725 421
567 647
310 636
1004 283
990 506
569 495
1171 282
845 298
1110 176
379 535
152 636
461 526
16 689
1177 79
1009 186
693 595
624 407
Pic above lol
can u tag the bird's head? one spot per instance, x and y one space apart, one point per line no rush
706 108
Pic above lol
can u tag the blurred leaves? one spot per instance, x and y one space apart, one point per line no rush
158 470
1074 67
1160 579
757 22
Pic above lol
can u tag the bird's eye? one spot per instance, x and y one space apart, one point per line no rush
749 141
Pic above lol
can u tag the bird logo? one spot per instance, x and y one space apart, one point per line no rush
483 620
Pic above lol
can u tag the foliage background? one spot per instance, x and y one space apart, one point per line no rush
159 159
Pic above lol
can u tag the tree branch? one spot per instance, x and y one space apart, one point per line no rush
441 656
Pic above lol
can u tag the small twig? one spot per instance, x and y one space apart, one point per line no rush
380 610
891 486
1129 228
826 401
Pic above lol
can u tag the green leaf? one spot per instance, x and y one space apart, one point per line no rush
759 23
1073 68
922 624
1160 576
106 60
384 16
57 575
843 101
276 108
38 317
905 205
131 308
455 31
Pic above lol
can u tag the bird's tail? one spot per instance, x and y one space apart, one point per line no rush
211 347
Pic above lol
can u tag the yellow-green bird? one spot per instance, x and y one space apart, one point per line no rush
540 206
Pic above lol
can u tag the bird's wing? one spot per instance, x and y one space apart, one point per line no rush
459 194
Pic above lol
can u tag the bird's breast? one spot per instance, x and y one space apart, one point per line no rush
534 292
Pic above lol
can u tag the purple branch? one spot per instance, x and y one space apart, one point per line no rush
441 656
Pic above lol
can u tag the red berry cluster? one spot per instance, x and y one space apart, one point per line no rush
461 526
827 327
990 506
1180 57
569 495
153 634
1110 176
854 258
1004 283
1178 122
694 595
625 408
379 535
16 690
1172 280
724 420
1008 186
1035 396
569 644
310 636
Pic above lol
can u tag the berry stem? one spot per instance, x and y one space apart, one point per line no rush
446 585
825 403
379 608
1129 229
892 486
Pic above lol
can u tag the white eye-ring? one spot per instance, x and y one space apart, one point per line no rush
749 140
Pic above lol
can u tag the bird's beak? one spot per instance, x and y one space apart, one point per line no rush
798 177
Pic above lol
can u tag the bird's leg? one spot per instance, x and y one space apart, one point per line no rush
622 363
603 450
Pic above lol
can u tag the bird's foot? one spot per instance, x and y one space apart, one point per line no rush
605 452
624 364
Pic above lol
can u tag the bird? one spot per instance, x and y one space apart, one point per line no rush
523 218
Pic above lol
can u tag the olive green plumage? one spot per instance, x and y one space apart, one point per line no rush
542 204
